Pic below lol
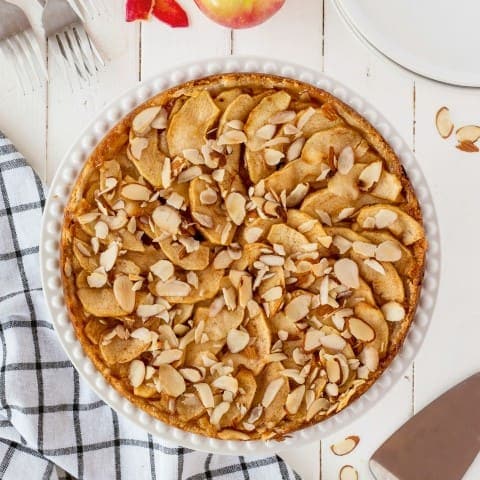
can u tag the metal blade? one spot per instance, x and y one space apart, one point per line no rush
439 443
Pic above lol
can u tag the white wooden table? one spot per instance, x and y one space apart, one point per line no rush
44 123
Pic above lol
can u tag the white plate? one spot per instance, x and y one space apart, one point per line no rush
52 223
435 38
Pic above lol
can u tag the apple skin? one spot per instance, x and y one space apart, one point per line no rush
239 13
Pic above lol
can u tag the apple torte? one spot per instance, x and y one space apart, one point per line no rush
242 256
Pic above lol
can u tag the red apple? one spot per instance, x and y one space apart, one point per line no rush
239 13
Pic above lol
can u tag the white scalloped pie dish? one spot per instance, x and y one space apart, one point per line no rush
51 231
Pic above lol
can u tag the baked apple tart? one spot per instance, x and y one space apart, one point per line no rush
242 256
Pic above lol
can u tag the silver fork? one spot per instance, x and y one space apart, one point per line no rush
19 45
70 41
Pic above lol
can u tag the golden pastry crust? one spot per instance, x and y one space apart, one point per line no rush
276 421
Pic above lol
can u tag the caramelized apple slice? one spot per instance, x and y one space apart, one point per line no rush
217 327
289 238
374 317
175 252
311 228
100 302
122 351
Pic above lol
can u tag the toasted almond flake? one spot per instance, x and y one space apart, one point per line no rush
334 373
192 279
87 218
393 311
324 217
271 391
98 278
316 406
137 146
294 375
147 311
236 124
163 269
307 226
273 157
345 213
370 358
160 121
222 260
136 373
255 414
290 129
363 372
294 400
305 117
218 412
109 256
167 357
173 288
384 218
266 132
388 251
199 331
374 265
132 225
171 381
346 159
166 173
298 308
218 175
226 382
167 219
142 121
273 294
230 298
295 149
252 234
189 174
191 374
346 271
143 334
190 244
245 293
364 248
331 389
361 330
204 220
338 317
136 192
193 156
282 335
370 176
333 342
282 117
124 294
175 200
205 394
343 245
237 340
232 137
208 196
272 260
313 340
443 122
468 133
348 472
235 204
299 356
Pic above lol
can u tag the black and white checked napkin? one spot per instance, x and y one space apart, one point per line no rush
52 426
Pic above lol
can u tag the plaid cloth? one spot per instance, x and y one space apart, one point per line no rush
51 425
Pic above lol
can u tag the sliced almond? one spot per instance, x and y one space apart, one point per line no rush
313 340
271 391
348 472
142 121
208 197
226 382
230 297
137 146
173 288
218 412
334 373
273 157
232 137
252 234
205 394
364 248
98 278
374 265
192 375
346 446
443 122
333 342
266 132
284 116
384 218
160 121
167 219
361 330
124 294
393 311
136 192
295 149
294 400
87 218
171 381
163 269
370 176
388 251
136 373
316 407
343 245
272 260
346 271
294 375
167 357
235 204
222 260
370 358
468 133
193 156
346 159
204 220
189 174
297 194
237 340
273 294
298 308
109 256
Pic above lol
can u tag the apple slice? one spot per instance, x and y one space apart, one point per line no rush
138 9
311 228
170 12
218 326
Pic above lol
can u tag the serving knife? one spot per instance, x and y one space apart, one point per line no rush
438 443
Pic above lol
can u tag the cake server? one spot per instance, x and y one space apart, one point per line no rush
438 443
